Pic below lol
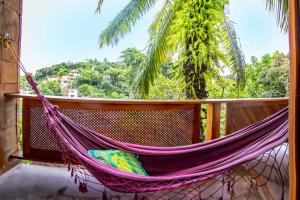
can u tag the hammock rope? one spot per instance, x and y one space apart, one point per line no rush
174 171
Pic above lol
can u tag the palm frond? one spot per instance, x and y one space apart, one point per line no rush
233 51
99 6
280 9
157 51
124 21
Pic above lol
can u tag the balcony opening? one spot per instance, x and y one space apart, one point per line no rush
195 93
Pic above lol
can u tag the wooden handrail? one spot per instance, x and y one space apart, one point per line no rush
135 101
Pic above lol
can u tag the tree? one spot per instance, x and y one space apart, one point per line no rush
253 73
169 84
86 90
225 87
90 77
50 88
24 85
268 77
275 79
198 32
133 60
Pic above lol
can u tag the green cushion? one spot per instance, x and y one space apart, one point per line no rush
124 161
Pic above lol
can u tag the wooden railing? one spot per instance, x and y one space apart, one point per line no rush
155 123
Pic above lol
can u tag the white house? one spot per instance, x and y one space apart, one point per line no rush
73 93
64 81
52 79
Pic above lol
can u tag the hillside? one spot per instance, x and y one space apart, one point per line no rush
265 77
93 78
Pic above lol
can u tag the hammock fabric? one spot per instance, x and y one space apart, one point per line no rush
168 167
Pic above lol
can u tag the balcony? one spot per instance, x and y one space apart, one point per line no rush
160 123
155 123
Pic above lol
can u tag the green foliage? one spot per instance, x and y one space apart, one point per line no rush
234 53
25 85
269 76
209 40
50 88
86 90
124 21
280 8
96 79
158 49
133 60
89 77
52 71
197 32
254 71
225 87
169 84
265 77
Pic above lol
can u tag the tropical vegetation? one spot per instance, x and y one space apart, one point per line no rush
195 34
264 77
192 53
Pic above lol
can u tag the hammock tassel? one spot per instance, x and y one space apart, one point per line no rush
282 194
82 187
104 196
228 186
72 172
232 187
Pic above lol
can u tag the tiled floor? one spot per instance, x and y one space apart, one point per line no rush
35 182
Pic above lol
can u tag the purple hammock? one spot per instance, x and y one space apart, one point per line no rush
168 167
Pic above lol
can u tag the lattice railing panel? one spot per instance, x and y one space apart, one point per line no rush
240 115
152 125
155 128
41 137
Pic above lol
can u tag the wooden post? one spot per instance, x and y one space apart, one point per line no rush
228 119
10 22
294 118
213 121
26 126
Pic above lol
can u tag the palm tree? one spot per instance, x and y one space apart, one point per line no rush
280 9
197 32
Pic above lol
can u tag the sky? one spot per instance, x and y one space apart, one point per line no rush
55 31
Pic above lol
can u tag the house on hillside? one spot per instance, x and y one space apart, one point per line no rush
74 74
73 93
65 81
52 79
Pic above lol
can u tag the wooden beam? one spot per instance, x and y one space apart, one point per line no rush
294 118
16 155
135 101
213 121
